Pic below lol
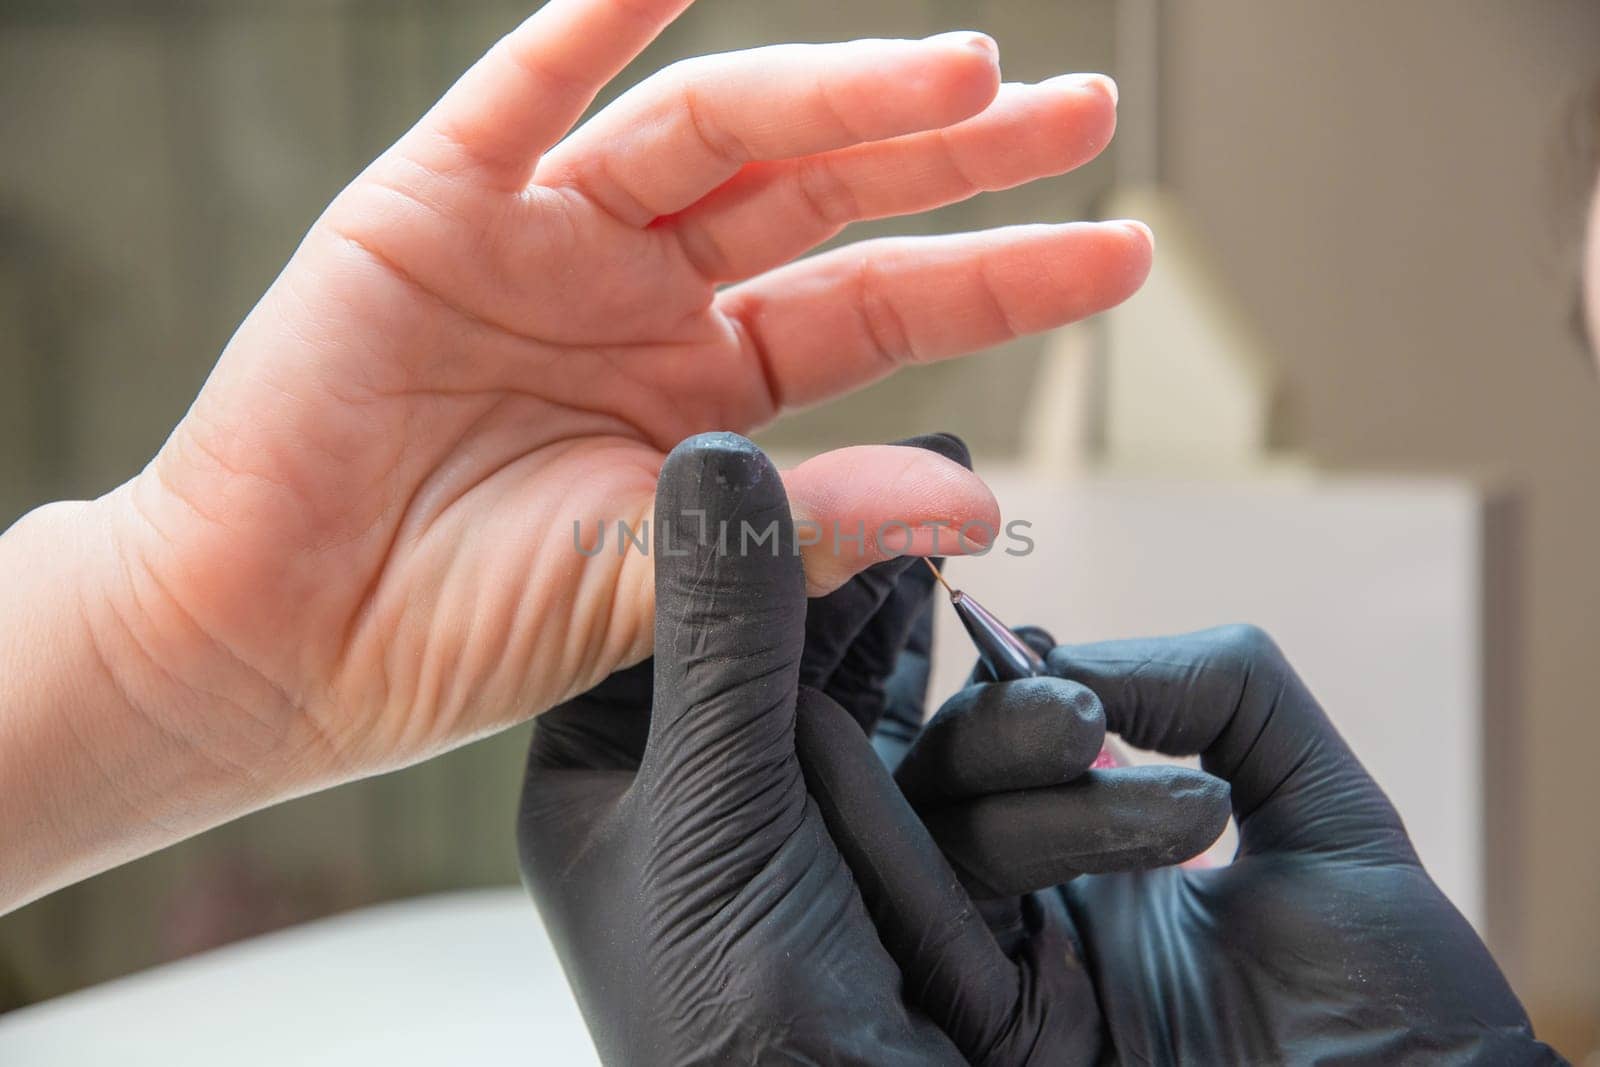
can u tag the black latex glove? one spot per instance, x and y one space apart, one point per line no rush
999 764
699 906
1324 941
1001 767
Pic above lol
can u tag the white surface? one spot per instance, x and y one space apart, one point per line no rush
461 978
1371 588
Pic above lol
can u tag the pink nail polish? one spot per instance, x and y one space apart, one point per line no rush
984 43
978 42
1099 81
1137 227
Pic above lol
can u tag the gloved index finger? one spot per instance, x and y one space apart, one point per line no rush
905 692
1003 736
859 683
1230 696
836 621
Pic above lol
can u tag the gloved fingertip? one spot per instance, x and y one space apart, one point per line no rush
1191 810
947 445
731 459
1024 734
1053 716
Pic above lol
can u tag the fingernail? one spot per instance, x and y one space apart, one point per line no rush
1137 227
980 42
1099 81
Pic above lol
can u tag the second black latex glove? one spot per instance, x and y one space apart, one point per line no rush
1001 765
1001 776
1324 941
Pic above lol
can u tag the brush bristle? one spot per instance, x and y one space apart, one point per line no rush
939 576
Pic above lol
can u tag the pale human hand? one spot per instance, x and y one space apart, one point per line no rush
357 548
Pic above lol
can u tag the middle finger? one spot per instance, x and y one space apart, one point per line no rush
770 213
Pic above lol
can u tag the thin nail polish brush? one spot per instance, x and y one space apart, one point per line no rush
1007 656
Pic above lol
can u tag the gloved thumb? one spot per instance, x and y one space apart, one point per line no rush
730 625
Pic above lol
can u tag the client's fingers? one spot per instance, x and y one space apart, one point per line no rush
771 212
1003 737
836 321
681 133
835 622
532 85
1132 818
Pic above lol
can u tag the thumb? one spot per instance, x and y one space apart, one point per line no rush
861 505
855 635
730 625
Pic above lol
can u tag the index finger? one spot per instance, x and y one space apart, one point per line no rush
1230 696
529 89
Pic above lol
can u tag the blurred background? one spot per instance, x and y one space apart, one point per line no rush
1368 218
